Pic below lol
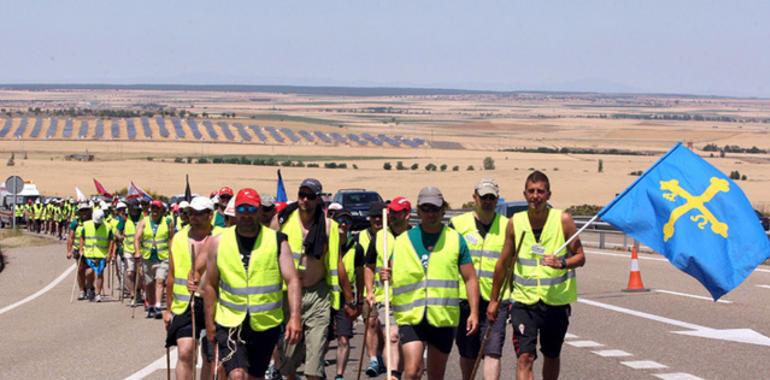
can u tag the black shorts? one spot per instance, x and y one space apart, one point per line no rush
439 337
469 346
341 325
241 347
181 327
549 322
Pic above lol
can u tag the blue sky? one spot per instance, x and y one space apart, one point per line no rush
698 47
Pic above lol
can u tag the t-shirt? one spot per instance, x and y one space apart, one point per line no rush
246 245
371 252
482 228
358 260
424 243
73 225
219 219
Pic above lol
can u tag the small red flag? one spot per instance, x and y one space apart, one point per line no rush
101 190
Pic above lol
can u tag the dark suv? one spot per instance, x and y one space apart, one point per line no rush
357 201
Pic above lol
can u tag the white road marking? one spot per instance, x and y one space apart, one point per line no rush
677 376
644 364
39 292
691 296
154 366
623 255
584 343
734 335
764 286
611 353
570 336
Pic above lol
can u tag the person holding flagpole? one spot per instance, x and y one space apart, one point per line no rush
544 278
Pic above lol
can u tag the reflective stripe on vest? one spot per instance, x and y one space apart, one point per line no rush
183 264
129 234
293 230
159 239
417 293
484 251
256 289
96 240
534 282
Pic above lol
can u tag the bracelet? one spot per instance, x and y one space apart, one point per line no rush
563 263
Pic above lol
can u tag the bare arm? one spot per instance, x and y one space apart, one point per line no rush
342 275
507 256
577 257
472 286
369 276
289 273
210 292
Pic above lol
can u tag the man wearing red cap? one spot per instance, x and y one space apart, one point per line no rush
223 195
153 238
243 299
371 240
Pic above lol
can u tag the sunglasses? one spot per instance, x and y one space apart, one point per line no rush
344 221
488 197
267 208
246 209
309 196
429 208
225 196
198 213
533 191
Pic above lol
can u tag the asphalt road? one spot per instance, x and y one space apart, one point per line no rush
614 335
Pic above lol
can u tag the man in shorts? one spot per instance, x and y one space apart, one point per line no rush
153 237
544 279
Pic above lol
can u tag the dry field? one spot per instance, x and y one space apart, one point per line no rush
475 125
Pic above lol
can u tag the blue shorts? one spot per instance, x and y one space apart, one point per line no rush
97 265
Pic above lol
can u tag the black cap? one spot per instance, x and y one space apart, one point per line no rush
313 184
375 208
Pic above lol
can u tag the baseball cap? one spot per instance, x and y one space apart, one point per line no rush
156 203
487 186
226 191
399 204
84 206
430 195
200 204
98 216
375 208
267 201
184 204
120 205
313 184
334 206
247 196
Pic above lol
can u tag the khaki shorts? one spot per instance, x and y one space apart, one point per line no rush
154 270
379 312
315 319
130 262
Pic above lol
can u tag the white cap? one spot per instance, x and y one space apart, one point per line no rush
200 204
98 216
487 186
120 205
334 206
230 209
84 206
184 204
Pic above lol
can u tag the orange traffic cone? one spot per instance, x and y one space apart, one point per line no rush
635 277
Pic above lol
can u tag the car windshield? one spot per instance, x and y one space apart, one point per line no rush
359 198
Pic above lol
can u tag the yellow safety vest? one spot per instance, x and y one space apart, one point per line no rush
293 230
434 292
182 265
349 260
76 239
19 211
534 282
159 239
129 234
96 240
256 289
365 240
484 251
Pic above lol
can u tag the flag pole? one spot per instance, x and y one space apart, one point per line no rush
575 235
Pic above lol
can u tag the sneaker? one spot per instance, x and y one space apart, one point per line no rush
151 312
98 298
91 294
373 369
158 313
272 373
82 295
339 377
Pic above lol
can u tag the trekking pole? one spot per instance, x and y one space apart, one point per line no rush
122 279
75 284
136 288
506 282
363 345
216 360
388 364
168 363
109 277
192 313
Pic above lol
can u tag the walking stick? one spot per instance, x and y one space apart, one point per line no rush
136 288
363 346
109 277
216 360
168 363
75 284
388 358
122 279
507 281
192 313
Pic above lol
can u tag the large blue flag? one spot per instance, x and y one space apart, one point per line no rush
280 191
689 211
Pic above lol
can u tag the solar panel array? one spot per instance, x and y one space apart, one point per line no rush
323 137
338 138
274 133
130 129
146 128
36 128
372 139
354 138
306 135
67 132
290 134
242 131
194 129
115 128
226 130
210 130
52 128
99 131
83 131
257 132
162 130
178 127
21 128
6 127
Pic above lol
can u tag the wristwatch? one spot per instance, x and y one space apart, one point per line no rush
563 262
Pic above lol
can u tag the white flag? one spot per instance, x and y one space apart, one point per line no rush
79 195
